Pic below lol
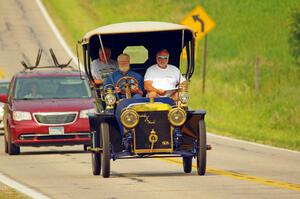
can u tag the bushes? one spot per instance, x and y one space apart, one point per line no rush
294 37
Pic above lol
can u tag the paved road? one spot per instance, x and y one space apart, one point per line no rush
235 170
23 30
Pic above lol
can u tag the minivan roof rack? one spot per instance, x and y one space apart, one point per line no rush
38 59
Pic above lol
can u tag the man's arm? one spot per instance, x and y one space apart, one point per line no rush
140 88
148 86
108 80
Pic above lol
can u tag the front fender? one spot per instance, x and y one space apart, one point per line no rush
190 128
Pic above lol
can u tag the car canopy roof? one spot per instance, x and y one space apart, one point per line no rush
151 35
134 27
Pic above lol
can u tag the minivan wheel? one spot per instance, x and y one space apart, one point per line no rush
12 149
5 145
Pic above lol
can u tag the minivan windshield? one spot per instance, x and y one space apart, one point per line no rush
4 87
60 87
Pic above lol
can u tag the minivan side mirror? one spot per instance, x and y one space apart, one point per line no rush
3 98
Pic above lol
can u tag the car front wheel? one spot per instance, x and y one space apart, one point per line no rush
106 150
12 149
201 154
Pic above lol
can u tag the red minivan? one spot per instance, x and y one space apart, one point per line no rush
46 108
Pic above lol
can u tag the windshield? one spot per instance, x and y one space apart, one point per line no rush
51 88
4 87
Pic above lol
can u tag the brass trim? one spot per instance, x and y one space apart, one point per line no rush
164 150
155 106
153 151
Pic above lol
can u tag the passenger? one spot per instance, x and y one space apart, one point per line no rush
162 79
100 68
124 71
34 91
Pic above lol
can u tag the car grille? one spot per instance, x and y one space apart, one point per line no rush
157 121
55 118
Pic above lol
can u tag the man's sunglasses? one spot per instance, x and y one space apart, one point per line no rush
163 57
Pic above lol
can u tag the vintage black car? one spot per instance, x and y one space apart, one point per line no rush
157 127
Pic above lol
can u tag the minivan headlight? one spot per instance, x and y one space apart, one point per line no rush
177 116
85 113
21 115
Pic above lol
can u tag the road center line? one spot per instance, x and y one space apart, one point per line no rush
245 177
21 188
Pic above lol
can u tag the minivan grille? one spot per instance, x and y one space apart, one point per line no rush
55 118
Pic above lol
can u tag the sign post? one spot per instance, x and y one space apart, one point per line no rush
201 23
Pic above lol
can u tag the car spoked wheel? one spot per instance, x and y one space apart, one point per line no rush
201 144
96 163
96 155
105 156
187 164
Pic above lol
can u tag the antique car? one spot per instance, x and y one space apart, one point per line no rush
144 127
46 106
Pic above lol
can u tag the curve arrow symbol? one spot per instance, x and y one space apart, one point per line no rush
197 18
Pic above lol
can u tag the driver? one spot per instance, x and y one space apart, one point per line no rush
124 71
34 91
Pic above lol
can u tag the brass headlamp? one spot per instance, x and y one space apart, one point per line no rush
183 93
110 98
177 116
129 118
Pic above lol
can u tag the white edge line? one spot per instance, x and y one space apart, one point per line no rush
71 54
252 143
21 188
56 32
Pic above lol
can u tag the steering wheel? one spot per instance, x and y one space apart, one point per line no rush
126 81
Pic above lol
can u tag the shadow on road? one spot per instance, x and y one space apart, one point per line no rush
136 176
53 152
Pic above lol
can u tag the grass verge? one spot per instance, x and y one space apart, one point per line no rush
9 193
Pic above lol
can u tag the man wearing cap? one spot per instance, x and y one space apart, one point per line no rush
162 79
103 66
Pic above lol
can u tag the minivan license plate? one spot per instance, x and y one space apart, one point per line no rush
56 130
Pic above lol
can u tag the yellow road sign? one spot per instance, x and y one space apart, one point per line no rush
199 21
2 74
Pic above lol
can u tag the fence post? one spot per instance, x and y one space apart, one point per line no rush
204 64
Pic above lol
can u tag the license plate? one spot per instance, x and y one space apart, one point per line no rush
56 130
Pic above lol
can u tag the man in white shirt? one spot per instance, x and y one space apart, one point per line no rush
103 66
163 79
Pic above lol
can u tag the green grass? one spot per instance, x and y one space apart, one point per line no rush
244 30
8 193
